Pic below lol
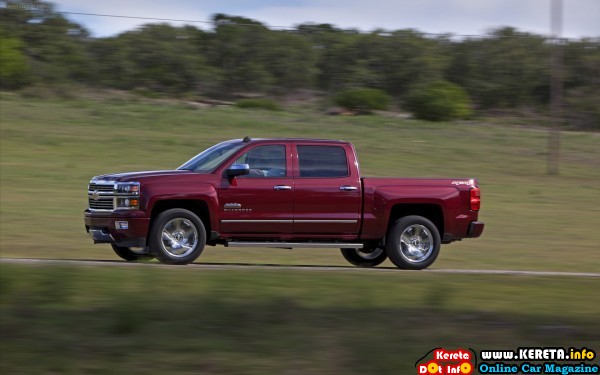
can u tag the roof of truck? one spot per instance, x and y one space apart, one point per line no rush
293 140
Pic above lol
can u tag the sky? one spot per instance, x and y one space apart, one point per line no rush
581 18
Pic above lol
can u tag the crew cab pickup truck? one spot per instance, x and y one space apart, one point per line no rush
282 193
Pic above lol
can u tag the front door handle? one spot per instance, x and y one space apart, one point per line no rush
282 187
348 188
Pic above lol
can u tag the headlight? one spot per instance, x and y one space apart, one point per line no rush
127 195
129 188
128 203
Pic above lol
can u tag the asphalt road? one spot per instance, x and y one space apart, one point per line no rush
255 266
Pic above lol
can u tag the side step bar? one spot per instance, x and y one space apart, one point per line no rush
290 245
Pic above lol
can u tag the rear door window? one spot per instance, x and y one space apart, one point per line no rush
322 161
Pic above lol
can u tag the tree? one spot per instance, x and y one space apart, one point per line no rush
54 46
14 70
238 49
163 58
290 61
391 61
507 69
582 83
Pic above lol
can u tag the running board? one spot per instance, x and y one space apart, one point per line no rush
290 245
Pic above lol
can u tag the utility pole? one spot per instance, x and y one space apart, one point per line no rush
556 88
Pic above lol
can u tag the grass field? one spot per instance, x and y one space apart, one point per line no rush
51 148
174 320
97 320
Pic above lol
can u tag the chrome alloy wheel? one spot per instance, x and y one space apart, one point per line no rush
416 243
370 254
179 237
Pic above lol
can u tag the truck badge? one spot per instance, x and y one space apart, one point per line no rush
235 207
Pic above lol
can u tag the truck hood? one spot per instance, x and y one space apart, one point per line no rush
137 176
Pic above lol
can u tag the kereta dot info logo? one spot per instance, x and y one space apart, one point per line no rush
443 361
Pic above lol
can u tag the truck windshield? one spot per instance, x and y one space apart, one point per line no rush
209 159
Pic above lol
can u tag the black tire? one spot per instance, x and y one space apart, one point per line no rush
130 255
365 257
419 247
185 236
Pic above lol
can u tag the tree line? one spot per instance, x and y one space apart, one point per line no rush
506 69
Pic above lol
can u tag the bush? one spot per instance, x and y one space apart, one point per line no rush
439 101
363 99
261 103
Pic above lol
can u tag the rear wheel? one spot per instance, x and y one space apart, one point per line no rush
132 254
177 236
413 243
365 257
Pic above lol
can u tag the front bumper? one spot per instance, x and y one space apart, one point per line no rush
102 227
475 229
100 236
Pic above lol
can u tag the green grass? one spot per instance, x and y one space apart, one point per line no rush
178 320
258 103
51 148
160 320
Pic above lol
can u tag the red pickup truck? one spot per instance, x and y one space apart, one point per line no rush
284 193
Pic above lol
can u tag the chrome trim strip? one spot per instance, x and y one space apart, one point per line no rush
258 221
330 245
293 221
103 182
326 221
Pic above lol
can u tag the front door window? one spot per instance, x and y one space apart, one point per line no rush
265 161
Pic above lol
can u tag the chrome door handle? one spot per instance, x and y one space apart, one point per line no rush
348 188
282 187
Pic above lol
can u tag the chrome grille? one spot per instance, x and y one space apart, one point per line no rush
102 204
101 196
99 187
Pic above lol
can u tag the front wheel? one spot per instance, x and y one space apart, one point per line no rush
132 254
365 257
413 243
177 236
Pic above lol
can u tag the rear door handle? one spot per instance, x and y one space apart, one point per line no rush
348 188
282 187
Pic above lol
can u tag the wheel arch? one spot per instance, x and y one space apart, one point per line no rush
198 207
432 212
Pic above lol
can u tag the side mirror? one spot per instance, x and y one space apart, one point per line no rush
237 170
